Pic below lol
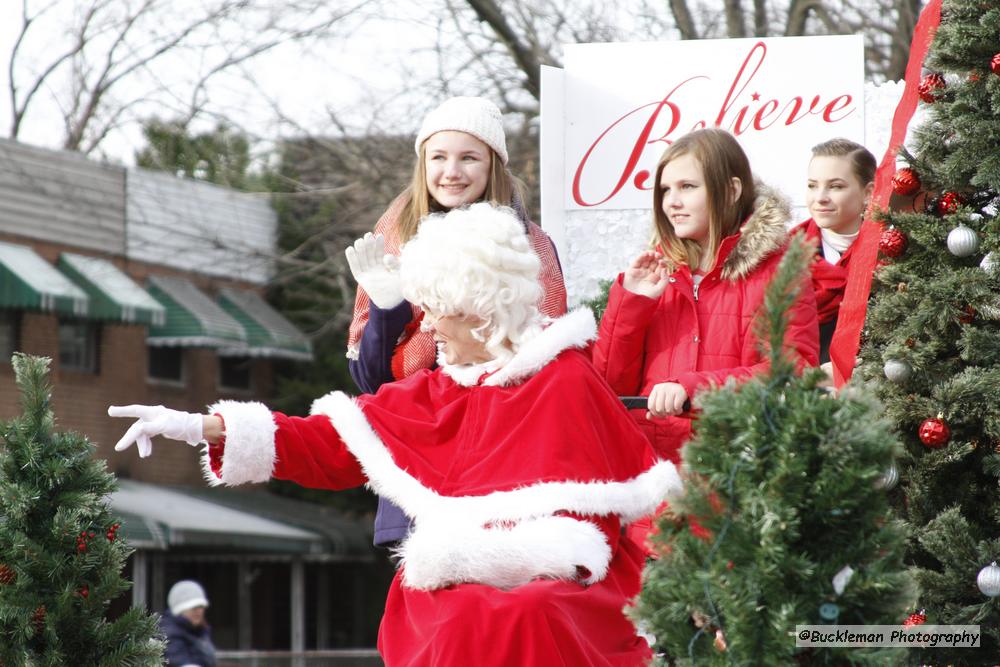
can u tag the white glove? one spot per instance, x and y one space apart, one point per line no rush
156 420
376 272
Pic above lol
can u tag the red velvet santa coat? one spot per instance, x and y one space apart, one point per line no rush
828 279
699 342
518 480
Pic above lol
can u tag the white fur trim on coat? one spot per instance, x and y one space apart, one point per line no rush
249 455
572 330
450 543
438 553
628 499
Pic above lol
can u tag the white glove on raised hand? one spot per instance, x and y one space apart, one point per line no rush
155 420
376 272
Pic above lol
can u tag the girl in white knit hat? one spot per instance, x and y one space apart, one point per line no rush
461 159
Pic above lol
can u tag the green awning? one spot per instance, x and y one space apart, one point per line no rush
158 517
269 334
193 319
28 282
113 295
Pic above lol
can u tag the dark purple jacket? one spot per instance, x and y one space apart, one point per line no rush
370 371
186 644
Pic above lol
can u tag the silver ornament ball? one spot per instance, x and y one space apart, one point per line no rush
889 478
988 580
963 241
897 370
990 262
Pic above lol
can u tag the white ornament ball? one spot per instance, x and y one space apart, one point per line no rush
988 580
962 241
990 262
889 478
897 370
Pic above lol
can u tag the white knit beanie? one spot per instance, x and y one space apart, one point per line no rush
186 595
473 115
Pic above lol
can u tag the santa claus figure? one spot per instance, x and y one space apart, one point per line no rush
516 462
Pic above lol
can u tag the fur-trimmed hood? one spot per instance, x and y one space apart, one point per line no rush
763 233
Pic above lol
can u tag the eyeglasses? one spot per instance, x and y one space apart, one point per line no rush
431 318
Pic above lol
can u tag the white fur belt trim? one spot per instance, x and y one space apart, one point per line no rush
440 553
629 499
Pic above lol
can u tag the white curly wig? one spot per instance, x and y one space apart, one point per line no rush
476 261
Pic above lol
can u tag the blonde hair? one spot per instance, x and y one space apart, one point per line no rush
863 163
476 261
721 159
501 187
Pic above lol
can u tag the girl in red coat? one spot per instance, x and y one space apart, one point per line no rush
680 318
516 461
461 158
840 181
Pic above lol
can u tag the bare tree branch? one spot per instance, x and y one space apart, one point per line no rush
683 19
527 60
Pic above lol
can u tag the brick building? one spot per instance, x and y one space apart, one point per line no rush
145 288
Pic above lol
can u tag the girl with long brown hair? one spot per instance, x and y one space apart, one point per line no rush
679 319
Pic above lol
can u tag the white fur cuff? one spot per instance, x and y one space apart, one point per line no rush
249 455
441 553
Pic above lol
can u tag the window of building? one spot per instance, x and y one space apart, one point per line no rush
234 373
78 346
166 364
10 326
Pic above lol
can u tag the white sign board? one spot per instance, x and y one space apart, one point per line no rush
611 112
625 103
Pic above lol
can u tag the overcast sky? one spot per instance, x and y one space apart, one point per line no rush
369 64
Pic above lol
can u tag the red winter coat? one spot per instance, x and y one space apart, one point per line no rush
699 342
828 279
519 482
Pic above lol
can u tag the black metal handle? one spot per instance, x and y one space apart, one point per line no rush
642 403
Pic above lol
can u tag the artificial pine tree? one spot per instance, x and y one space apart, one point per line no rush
932 337
60 553
785 520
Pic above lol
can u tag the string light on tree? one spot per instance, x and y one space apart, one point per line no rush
988 580
963 241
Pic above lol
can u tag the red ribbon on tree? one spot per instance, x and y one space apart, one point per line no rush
846 338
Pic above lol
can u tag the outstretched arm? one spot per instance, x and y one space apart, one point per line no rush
249 443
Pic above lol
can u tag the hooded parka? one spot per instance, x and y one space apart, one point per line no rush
700 336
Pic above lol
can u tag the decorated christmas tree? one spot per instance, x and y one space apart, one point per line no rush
785 519
932 338
60 553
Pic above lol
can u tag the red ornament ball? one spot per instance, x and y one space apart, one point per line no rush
995 64
968 315
949 203
905 182
916 618
892 242
7 575
934 432
929 85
